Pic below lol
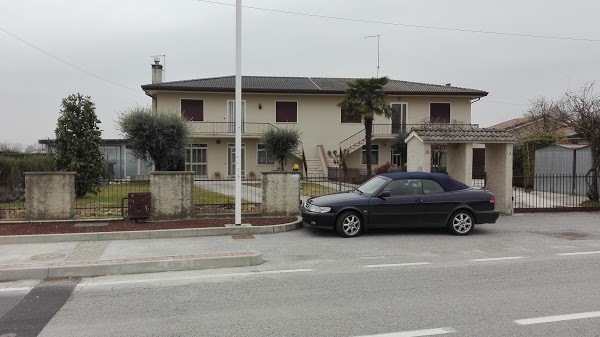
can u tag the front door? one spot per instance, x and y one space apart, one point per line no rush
231 160
231 116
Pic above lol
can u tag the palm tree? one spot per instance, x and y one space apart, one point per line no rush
365 98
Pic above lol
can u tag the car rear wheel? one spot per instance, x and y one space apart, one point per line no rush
349 224
461 223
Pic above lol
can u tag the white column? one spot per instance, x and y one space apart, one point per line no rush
460 162
499 174
419 156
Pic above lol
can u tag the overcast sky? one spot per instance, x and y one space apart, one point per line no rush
114 39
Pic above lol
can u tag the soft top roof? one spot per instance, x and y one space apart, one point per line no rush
444 180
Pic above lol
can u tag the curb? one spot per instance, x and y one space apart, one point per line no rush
153 234
128 266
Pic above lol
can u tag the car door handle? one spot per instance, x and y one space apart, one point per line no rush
419 200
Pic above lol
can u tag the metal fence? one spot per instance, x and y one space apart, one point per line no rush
107 201
552 193
12 199
217 196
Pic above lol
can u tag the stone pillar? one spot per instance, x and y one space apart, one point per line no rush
281 193
49 195
499 174
460 162
172 194
419 156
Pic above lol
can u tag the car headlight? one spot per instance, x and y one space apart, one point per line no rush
317 209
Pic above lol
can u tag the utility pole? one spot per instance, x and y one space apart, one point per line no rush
238 113
378 38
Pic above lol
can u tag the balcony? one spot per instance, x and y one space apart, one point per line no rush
227 129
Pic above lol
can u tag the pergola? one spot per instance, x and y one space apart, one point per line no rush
459 141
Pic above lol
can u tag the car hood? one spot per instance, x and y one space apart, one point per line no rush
336 199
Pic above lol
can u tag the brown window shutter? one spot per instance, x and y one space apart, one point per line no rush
439 112
192 109
286 112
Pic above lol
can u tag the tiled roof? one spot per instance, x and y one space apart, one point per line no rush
313 85
449 134
512 123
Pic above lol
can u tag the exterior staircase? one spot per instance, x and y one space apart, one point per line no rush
313 167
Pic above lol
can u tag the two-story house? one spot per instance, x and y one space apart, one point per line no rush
308 104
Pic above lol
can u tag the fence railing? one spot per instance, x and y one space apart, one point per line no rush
552 193
12 199
106 203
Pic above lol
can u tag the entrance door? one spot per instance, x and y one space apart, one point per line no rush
231 116
231 160
398 118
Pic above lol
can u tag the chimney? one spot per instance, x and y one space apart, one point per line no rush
157 71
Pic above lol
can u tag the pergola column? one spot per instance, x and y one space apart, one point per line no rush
499 174
460 162
418 155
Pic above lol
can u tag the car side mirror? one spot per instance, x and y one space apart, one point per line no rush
384 194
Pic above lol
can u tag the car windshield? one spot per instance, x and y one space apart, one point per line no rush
372 185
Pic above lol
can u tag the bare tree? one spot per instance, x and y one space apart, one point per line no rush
581 110
545 114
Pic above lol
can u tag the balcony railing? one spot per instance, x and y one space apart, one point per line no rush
228 128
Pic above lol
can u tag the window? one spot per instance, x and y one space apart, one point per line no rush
286 112
348 119
374 154
195 159
404 187
264 158
439 112
192 109
432 187
399 118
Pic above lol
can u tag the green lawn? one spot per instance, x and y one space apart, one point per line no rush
589 203
111 195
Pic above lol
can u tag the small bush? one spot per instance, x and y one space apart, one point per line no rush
280 143
387 167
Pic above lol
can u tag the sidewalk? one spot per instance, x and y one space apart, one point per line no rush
38 256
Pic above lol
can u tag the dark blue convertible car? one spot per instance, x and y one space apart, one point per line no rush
403 199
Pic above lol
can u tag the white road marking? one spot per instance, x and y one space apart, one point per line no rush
561 247
19 289
579 253
499 258
189 278
558 318
396 265
415 333
372 257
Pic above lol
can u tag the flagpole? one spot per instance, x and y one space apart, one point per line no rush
238 113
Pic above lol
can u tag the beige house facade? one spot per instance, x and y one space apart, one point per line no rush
303 103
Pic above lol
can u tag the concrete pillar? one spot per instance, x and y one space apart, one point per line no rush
418 156
49 195
281 193
172 194
499 174
460 162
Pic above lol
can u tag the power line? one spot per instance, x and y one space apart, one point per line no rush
462 30
507 103
66 62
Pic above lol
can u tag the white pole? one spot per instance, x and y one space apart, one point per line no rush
238 113
378 38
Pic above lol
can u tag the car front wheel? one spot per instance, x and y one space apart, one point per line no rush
349 224
461 223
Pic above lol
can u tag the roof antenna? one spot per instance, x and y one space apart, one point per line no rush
378 38
157 59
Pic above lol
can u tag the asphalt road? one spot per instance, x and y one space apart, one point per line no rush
531 275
